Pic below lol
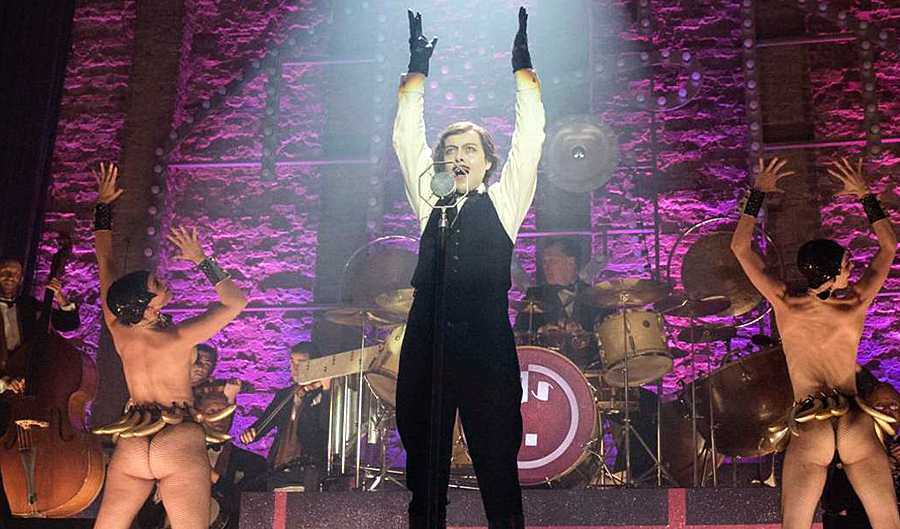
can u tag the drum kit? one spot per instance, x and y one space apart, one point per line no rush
569 413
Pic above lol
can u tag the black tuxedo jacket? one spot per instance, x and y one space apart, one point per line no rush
312 425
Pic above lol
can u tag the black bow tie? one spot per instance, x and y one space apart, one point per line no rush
571 287
9 302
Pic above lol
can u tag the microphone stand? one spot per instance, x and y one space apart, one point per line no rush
437 359
437 374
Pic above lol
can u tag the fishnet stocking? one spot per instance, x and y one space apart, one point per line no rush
176 458
867 468
128 483
179 461
805 469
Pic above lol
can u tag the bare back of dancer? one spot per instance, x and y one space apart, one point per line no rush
156 358
820 334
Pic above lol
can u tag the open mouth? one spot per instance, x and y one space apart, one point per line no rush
460 170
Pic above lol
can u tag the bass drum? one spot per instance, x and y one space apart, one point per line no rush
559 421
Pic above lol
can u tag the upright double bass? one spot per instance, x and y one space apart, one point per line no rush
52 466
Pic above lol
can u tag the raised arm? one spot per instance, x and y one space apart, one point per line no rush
513 194
103 245
766 182
231 299
410 143
855 184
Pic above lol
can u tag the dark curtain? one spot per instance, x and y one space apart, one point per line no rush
35 37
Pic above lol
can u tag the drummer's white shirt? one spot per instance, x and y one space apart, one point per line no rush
513 193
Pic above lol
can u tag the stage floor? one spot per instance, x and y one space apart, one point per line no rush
737 508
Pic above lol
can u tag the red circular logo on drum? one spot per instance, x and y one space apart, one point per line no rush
558 415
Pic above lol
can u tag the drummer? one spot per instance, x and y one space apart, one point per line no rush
565 323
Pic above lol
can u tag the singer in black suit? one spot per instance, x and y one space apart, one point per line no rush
301 428
481 369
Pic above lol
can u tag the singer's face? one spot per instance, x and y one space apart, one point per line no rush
470 163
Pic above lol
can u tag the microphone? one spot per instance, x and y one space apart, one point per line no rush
442 184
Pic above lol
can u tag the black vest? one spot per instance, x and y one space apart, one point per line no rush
478 334
478 257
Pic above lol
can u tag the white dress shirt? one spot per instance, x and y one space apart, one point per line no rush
10 326
513 193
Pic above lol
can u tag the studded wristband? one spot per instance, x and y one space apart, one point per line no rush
103 217
752 202
872 208
213 271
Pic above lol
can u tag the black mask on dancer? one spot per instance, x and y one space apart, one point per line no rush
128 297
820 261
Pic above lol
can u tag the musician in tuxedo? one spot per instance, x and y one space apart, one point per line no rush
561 259
301 427
19 315
20 312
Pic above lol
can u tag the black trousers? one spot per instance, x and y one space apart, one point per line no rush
482 381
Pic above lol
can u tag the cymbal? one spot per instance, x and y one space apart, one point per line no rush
711 269
681 307
358 316
376 270
529 305
624 292
581 152
707 334
397 301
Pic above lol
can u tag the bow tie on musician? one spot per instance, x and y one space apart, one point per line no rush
299 415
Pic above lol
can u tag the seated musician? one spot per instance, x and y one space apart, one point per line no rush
234 470
19 314
560 261
201 375
842 508
301 438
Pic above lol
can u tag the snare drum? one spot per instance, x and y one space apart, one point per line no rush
646 349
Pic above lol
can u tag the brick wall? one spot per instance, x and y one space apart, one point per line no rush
267 230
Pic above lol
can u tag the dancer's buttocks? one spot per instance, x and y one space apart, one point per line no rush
170 451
